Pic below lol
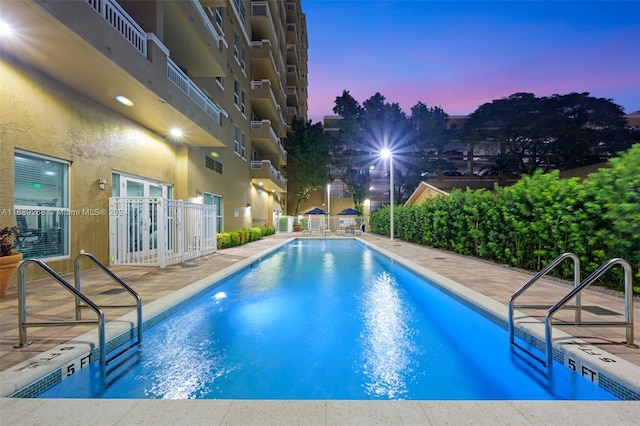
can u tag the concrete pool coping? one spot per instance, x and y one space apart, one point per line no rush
312 412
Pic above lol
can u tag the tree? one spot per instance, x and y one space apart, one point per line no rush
517 125
431 136
558 132
349 150
586 130
364 131
308 159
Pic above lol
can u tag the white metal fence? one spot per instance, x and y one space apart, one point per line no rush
342 223
157 231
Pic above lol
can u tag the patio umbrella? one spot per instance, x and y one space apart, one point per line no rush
316 211
350 211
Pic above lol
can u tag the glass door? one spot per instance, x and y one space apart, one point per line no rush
143 213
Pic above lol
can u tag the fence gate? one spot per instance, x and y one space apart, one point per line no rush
150 231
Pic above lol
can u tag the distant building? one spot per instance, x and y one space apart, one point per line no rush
422 192
634 119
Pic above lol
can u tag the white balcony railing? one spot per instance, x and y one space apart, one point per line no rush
207 23
122 22
184 83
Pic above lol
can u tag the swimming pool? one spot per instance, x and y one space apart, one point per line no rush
327 320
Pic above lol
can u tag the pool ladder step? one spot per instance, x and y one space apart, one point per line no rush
81 302
574 294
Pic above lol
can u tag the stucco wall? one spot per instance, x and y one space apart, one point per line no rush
39 115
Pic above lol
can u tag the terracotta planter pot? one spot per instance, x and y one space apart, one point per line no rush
8 265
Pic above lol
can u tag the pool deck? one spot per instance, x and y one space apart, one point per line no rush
497 282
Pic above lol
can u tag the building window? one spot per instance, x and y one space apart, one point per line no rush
236 137
244 146
242 58
236 90
236 42
41 205
220 81
219 17
240 8
243 103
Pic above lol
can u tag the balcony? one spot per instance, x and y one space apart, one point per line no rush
265 140
263 63
99 50
292 112
184 83
265 104
292 94
264 175
191 38
292 11
292 75
292 34
262 21
293 56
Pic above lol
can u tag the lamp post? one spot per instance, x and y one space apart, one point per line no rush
329 206
385 153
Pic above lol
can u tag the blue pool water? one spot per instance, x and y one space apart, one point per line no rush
327 320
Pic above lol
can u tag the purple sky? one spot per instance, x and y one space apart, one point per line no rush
460 54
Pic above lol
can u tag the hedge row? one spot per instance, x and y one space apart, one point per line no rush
243 236
529 224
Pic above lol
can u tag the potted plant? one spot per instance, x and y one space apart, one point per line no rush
9 259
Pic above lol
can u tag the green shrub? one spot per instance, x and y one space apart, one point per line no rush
533 221
242 236
255 233
223 240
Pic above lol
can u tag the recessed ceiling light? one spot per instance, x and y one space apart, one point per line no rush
123 100
176 133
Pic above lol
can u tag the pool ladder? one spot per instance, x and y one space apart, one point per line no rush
575 294
81 302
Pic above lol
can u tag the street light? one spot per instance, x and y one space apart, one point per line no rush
328 206
385 153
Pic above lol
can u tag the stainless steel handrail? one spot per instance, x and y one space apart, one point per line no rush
138 305
22 307
628 295
542 273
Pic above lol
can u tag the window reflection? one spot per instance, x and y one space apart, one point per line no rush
41 206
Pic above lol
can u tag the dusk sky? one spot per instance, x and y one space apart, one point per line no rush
459 55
